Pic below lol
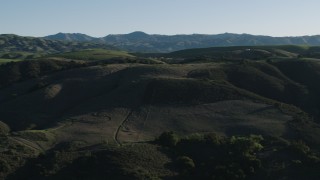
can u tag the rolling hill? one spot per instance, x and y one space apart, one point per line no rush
94 55
230 113
243 52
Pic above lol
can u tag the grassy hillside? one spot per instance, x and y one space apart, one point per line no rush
101 114
102 56
72 92
95 55
4 61
246 52
15 72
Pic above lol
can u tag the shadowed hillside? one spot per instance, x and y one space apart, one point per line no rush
93 113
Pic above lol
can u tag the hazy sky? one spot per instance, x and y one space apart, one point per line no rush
101 17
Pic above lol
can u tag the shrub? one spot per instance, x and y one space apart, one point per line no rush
246 145
168 139
4 128
214 139
185 163
299 147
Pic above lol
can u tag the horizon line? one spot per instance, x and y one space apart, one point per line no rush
160 34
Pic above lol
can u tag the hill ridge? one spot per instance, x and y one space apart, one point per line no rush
139 41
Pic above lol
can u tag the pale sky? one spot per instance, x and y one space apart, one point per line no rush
102 17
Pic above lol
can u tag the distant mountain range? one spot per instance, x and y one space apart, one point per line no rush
14 43
141 42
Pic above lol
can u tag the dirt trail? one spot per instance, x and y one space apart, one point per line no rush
116 134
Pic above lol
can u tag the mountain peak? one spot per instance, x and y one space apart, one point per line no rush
138 34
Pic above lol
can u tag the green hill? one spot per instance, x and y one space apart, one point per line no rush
246 52
102 56
95 55
205 112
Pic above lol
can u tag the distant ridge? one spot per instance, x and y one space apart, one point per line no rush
71 37
14 43
139 41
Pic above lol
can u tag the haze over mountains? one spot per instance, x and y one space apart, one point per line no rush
15 43
142 42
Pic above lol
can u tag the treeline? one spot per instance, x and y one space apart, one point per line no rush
209 156
170 156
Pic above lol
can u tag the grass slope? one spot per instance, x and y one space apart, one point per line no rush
67 109
95 55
